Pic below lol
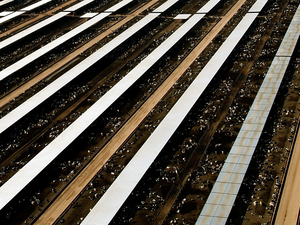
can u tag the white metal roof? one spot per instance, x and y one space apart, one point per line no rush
41 51
78 5
118 6
89 15
31 103
31 29
208 6
238 160
290 39
182 16
33 168
5 13
117 193
5 2
258 6
10 16
14 185
35 5
165 6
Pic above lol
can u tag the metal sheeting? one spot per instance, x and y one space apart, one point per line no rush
33 168
10 16
165 6
238 160
258 6
78 5
35 5
89 15
14 185
118 6
5 13
182 16
37 164
5 2
30 30
290 39
218 206
41 51
46 22
121 188
34 101
208 6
